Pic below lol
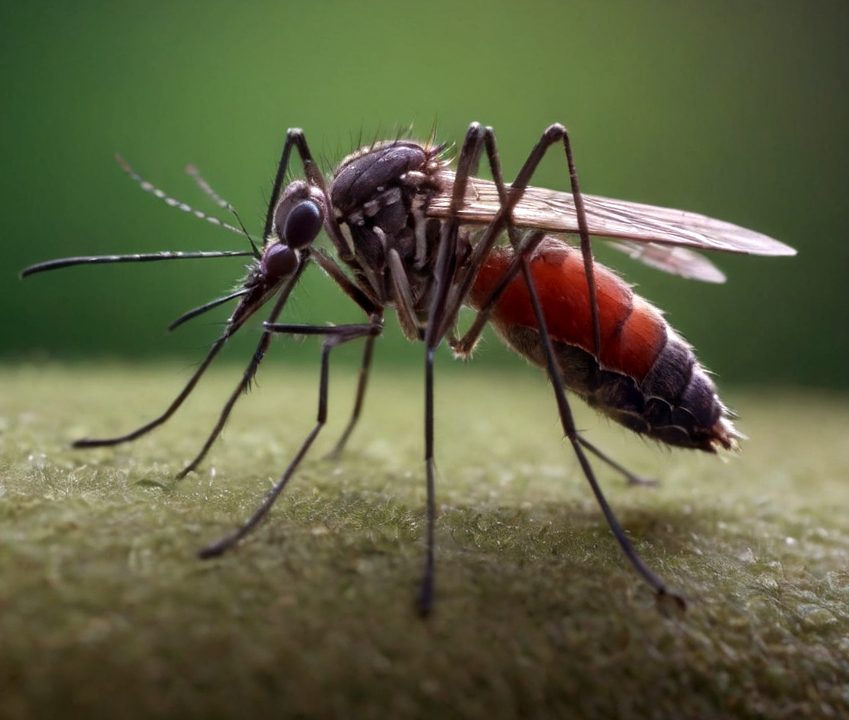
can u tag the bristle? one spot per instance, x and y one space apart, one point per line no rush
725 433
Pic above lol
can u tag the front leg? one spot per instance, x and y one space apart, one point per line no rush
334 336
362 296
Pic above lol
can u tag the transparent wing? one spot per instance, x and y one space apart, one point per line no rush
672 259
632 222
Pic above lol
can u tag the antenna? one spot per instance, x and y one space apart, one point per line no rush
184 207
193 172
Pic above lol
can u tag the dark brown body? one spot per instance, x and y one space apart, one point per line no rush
646 378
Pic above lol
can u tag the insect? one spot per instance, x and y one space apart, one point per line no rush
410 233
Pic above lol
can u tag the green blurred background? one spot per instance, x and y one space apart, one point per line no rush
734 109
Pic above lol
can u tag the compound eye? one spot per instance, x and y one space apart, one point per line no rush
279 261
298 225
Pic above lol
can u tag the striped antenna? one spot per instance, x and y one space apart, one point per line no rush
193 172
168 200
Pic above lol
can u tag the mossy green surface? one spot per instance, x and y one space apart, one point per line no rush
105 611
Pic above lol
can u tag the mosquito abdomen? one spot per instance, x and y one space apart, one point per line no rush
646 377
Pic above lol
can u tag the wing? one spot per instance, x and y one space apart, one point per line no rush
664 232
672 259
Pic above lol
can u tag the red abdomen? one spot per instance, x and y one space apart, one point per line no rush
645 377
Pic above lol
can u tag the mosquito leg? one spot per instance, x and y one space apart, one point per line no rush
360 294
250 370
426 592
175 404
362 384
503 219
568 423
405 305
446 302
293 137
604 457
335 336
363 297
586 250
509 198
241 388
437 324
406 316
464 345
552 135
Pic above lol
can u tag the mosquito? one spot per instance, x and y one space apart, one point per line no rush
409 232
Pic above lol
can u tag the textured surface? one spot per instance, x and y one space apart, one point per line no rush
105 610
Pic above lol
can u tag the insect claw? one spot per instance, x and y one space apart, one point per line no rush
670 603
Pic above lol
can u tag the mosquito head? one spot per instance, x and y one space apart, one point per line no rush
298 219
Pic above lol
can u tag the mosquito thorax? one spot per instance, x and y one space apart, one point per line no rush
379 194
364 175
